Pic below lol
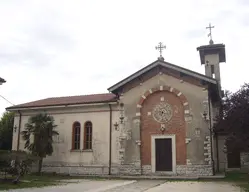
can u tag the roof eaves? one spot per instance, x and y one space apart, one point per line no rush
165 64
189 72
133 76
58 105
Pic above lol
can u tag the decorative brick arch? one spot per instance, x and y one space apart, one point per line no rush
179 94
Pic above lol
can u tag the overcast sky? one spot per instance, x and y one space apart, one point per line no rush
54 48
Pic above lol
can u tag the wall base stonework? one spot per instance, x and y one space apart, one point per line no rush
244 160
129 170
183 170
191 170
195 170
77 170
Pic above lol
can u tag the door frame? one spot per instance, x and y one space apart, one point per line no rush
153 152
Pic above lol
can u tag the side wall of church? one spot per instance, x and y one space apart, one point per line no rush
66 160
196 149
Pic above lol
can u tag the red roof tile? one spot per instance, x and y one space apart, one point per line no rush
70 100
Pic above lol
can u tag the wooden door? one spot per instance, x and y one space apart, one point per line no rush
163 151
233 156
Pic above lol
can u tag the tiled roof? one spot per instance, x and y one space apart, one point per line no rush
2 80
70 100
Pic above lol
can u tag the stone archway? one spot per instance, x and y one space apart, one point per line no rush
179 94
172 125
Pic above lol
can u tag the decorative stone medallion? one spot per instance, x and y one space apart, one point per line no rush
162 112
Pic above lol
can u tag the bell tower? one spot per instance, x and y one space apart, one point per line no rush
211 56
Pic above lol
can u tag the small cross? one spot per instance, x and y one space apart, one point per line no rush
210 32
161 47
116 126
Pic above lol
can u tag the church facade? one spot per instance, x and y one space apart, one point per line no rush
157 121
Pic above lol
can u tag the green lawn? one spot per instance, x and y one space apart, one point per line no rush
29 181
43 180
6 186
240 179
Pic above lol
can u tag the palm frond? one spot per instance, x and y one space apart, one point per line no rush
41 126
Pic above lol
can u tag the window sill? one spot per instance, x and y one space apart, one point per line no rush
81 150
75 150
87 150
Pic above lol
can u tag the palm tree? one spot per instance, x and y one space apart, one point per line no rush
41 128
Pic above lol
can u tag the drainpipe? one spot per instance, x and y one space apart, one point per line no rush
110 141
217 139
211 134
18 136
19 130
217 153
140 148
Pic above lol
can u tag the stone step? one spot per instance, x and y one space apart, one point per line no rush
155 177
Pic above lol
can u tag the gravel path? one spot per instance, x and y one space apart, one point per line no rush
195 187
140 185
80 186
137 186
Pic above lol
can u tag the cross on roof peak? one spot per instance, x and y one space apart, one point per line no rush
160 47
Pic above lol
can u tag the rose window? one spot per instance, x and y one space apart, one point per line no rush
162 112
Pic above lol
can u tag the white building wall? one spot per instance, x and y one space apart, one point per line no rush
63 156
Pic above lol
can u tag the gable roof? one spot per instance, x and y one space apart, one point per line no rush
2 80
166 65
70 100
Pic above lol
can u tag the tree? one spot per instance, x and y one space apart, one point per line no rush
23 163
6 129
38 134
234 118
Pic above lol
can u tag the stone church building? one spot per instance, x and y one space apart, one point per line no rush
157 121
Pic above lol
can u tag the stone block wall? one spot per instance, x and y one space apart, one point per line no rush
186 170
182 170
244 160
194 170
129 170
77 170
207 150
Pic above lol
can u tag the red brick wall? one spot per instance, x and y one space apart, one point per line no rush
175 126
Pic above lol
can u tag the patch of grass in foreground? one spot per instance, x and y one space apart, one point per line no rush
43 180
6 186
236 176
240 179
30 181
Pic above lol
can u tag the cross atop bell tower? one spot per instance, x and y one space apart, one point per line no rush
211 56
211 42
160 47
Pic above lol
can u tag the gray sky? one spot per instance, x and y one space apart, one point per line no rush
74 47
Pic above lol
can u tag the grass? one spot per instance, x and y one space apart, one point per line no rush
36 181
7 186
27 184
46 179
240 179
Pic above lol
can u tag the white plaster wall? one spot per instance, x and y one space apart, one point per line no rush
64 118
212 59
